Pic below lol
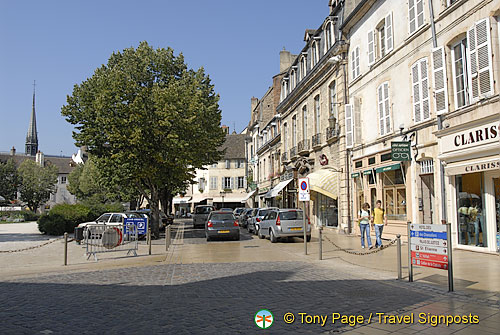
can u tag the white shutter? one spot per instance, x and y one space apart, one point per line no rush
381 113
371 47
223 185
387 109
439 76
424 89
420 12
411 16
353 64
357 62
389 42
349 138
484 57
415 75
232 183
384 109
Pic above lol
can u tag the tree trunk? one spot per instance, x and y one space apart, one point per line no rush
155 213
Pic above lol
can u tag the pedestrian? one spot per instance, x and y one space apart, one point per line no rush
379 220
364 225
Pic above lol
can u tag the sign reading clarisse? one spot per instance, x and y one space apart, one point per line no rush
401 151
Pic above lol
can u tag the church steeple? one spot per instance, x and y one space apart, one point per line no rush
32 136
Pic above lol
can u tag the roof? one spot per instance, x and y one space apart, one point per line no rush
64 164
234 146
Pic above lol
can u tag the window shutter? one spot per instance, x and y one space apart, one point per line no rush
484 59
349 138
420 13
387 109
245 183
389 43
357 62
353 64
381 112
223 185
356 114
371 47
232 183
424 87
415 73
440 87
411 16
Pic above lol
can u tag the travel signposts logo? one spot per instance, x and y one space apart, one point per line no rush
264 319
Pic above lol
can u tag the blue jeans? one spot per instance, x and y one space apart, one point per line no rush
378 233
365 228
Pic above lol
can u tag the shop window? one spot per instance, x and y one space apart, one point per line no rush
327 212
472 229
371 178
394 191
371 160
358 182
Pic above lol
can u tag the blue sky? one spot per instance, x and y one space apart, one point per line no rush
61 43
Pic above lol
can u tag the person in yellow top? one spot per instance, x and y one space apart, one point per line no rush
379 220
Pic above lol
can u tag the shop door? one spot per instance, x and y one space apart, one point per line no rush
426 199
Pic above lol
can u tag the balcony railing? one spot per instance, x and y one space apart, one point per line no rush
293 152
303 146
284 156
316 140
332 132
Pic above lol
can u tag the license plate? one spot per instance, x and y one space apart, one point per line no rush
223 231
295 228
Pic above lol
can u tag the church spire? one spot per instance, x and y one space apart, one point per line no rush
32 136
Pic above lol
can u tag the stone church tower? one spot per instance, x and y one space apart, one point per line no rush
32 137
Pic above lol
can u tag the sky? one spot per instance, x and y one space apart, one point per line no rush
61 43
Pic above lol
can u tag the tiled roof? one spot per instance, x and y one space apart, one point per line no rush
235 146
62 163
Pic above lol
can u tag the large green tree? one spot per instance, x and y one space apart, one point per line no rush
9 180
148 119
37 183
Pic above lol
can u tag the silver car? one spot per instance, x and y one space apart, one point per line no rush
284 223
254 219
222 224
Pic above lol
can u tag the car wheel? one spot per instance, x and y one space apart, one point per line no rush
308 238
208 238
259 234
272 237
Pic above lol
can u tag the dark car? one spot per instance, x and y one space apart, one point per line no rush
222 224
242 219
201 214
237 212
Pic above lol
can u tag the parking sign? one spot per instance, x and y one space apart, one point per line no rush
304 194
141 223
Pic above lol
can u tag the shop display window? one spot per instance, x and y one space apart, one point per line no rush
394 195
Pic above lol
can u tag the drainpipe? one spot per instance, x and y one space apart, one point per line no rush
347 159
444 218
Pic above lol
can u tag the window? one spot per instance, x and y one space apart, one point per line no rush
213 183
228 164
285 136
284 89
371 160
239 163
394 191
358 164
63 180
304 122
315 53
380 40
317 114
385 157
349 126
355 63
294 131
264 170
420 91
333 101
415 14
303 67
201 184
241 182
459 67
227 182
329 36
293 80
384 109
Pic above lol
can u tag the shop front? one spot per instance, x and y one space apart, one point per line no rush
324 187
472 176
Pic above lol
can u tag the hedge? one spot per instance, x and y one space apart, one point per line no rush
18 216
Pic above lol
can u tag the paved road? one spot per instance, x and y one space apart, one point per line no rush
222 298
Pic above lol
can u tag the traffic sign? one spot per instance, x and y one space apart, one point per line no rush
141 223
431 249
430 264
429 257
304 192
431 242
428 227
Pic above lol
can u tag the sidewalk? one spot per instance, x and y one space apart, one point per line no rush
473 272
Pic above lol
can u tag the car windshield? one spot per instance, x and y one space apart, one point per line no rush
203 210
291 215
103 218
263 212
222 217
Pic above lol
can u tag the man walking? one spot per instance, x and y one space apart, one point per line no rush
379 219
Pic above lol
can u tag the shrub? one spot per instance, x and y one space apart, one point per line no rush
97 209
52 224
73 214
18 216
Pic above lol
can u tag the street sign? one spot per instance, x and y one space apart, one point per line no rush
430 249
141 223
304 192
429 257
400 151
430 242
429 245
430 264
428 227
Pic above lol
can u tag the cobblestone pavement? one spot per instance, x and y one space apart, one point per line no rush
222 298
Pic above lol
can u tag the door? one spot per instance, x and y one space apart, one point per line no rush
426 199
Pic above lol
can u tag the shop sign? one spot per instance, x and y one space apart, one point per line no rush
355 175
400 151
471 138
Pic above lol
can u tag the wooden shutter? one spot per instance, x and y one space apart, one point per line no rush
411 16
232 183
357 62
424 89
419 8
371 47
353 64
356 112
439 76
223 185
387 109
389 41
381 113
420 90
349 138
384 109
417 108
245 182
484 58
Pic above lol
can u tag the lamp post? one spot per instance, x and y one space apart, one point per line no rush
222 194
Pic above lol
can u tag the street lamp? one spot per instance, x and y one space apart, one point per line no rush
222 194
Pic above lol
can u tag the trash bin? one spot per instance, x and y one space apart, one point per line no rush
78 234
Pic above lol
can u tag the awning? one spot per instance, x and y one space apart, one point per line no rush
231 198
198 198
181 200
277 189
388 168
471 166
248 196
355 175
325 181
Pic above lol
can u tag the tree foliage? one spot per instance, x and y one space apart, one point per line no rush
9 180
37 183
148 119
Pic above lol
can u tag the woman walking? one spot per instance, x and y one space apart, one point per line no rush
364 225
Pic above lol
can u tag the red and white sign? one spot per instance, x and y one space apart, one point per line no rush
429 264
304 192
429 246
429 257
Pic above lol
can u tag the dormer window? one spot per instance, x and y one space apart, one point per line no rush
303 67
315 53
329 36
293 79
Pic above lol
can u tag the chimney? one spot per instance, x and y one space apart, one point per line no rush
254 102
285 60
39 158
13 151
226 129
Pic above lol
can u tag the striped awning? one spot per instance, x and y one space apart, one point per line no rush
325 181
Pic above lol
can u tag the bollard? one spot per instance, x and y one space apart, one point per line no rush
410 265
320 242
149 240
169 236
166 238
65 249
400 270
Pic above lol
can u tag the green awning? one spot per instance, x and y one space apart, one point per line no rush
355 175
388 168
367 172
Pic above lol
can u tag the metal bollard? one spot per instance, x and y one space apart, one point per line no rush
320 242
410 265
169 231
149 240
65 249
400 270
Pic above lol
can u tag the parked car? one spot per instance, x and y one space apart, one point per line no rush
109 219
222 224
201 214
256 217
242 219
237 212
284 223
226 210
